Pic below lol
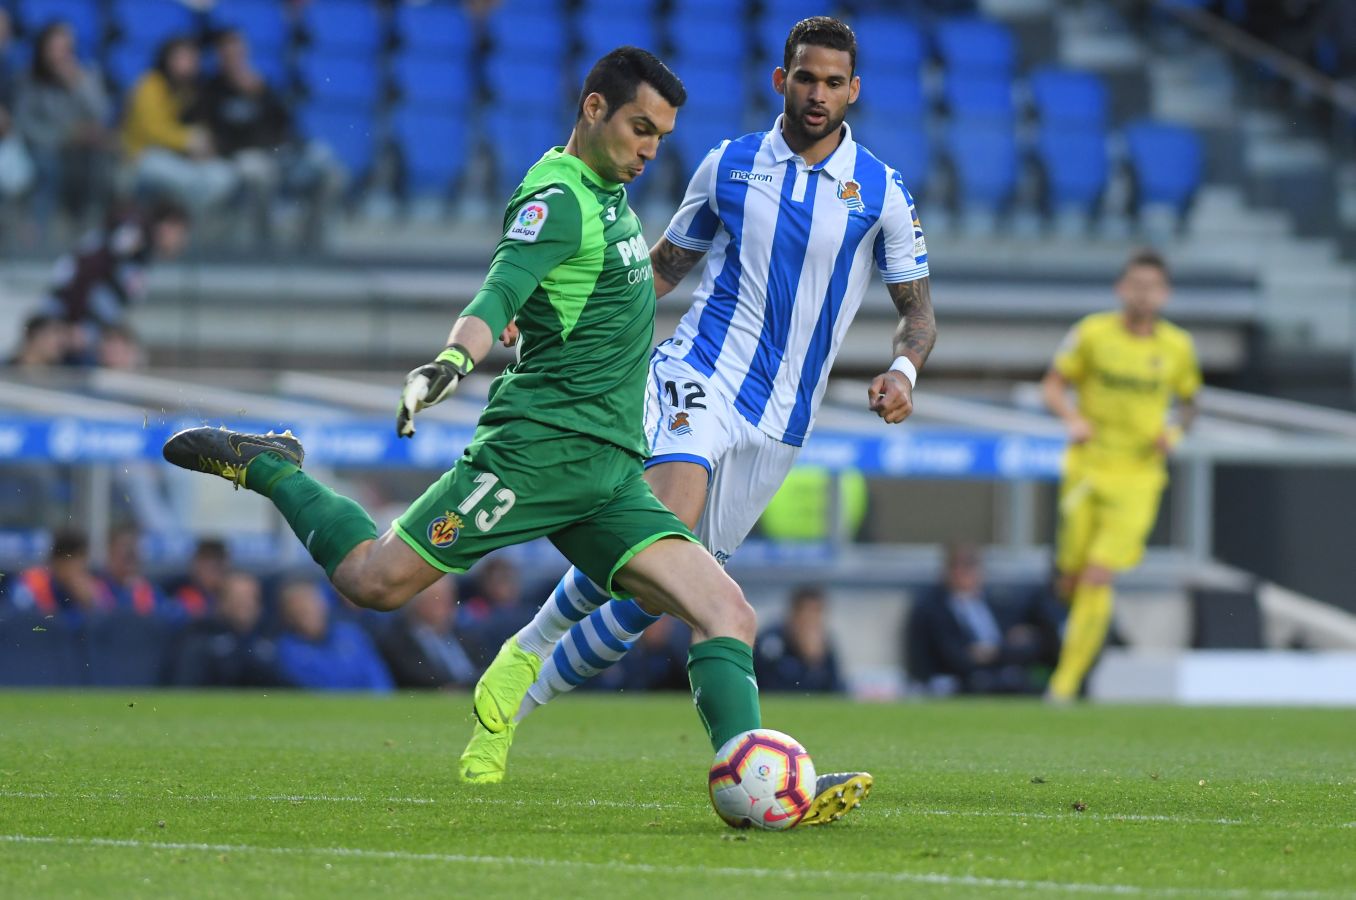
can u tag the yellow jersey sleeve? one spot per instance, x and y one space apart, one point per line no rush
1071 357
1188 380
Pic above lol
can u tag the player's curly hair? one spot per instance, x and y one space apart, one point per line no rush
619 74
820 31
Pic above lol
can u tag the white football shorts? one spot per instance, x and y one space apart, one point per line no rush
688 419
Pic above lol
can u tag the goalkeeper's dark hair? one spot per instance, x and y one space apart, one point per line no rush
820 31
619 74
1147 256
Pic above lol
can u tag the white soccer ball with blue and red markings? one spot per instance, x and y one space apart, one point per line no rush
762 779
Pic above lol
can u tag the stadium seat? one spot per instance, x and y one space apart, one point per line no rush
693 38
342 79
888 42
149 22
976 46
84 16
433 146
519 138
789 12
434 81
345 26
701 9
522 35
1075 167
1166 161
900 144
126 649
263 22
435 29
703 128
1068 98
985 159
350 133
895 91
602 33
979 97
646 8
38 651
538 84
125 64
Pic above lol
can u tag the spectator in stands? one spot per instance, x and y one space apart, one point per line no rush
226 648
798 655
66 585
657 662
164 133
45 342
420 647
131 590
16 169
62 112
119 348
318 653
957 639
253 127
96 283
197 593
495 612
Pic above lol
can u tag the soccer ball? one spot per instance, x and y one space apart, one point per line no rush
762 779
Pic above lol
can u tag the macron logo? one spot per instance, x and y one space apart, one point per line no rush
740 175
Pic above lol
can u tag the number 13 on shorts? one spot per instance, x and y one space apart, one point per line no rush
487 518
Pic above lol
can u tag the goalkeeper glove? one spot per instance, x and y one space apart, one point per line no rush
431 383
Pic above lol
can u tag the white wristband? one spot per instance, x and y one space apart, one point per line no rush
905 367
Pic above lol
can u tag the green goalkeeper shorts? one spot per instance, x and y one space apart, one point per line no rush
526 480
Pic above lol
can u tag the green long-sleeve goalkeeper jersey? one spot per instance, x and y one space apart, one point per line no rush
587 328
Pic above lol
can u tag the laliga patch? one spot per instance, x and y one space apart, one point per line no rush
527 224
444 530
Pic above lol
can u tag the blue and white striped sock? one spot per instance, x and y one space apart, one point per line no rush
573 598
595 644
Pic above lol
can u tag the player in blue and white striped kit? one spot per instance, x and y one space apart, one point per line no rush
791 222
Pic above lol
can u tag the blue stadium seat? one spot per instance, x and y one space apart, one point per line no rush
36 651
694 38
898 143
789 12
711 10
518 139
535 84
126 63
347 26
434 81
602 33
886 42
126 649
435 28
536 36
975 97
1167 162
433 146
703 127
149 22
1075 167
348 80
263 22
985 159
896 91
647 8
1069 98
84 17
976 46
350 133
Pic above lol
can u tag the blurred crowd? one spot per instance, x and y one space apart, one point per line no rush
223 146
217 624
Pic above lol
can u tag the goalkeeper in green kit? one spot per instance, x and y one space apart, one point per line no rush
559 448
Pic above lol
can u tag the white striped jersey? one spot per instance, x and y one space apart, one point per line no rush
790 249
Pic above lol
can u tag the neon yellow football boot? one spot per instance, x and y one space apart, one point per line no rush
485 759
500 691
836 795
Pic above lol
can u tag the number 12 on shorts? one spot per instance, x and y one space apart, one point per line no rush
487 518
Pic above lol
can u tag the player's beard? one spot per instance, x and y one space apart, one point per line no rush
805 134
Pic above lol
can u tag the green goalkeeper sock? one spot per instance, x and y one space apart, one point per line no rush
724 688
330 525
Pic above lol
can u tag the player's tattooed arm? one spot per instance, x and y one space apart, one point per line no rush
917 329
671 264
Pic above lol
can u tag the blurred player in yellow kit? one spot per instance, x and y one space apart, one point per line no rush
1125 368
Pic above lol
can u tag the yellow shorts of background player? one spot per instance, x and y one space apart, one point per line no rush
1106 514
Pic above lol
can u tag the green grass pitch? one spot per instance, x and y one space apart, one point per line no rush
128 793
